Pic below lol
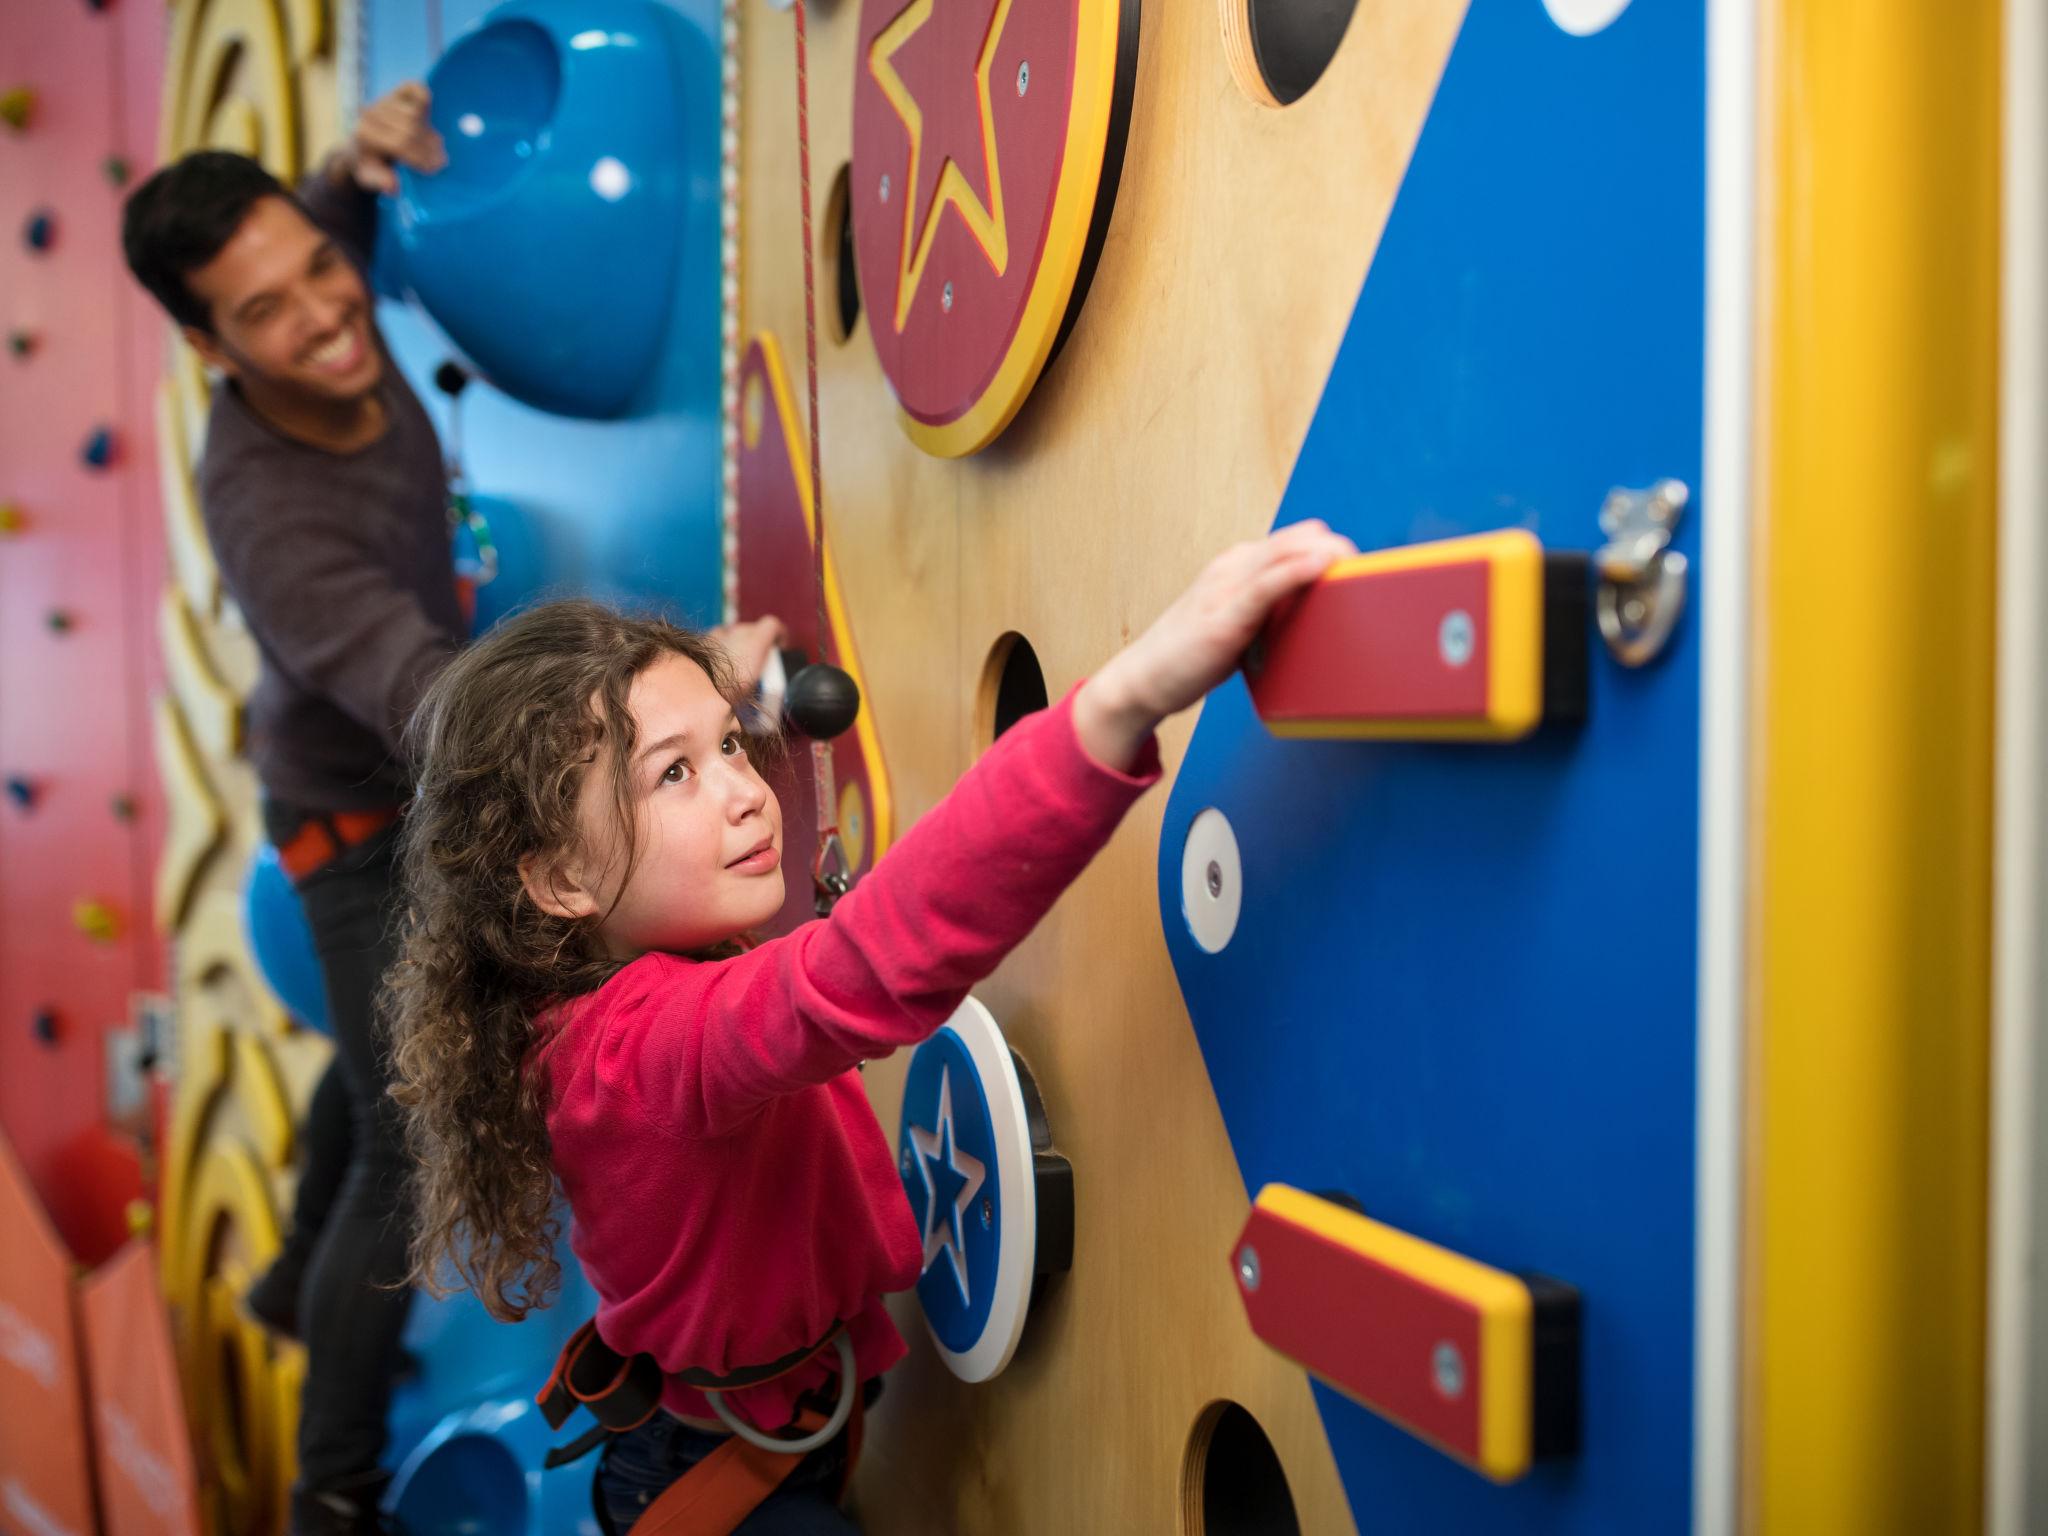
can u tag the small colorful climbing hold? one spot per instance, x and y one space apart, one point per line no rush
59 622
40 232
21 343
12 518
43 1025
96 920
99 449
115 169
124 808
141 1217
21 791
17 106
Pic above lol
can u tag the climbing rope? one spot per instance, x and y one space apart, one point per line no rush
830 877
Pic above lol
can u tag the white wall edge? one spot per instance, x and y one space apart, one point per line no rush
1727 469
2016 1345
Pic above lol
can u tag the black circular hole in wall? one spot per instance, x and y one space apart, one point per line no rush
842 279
1293 41
1231 1480
1012 686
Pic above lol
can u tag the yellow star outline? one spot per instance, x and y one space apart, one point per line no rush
991 230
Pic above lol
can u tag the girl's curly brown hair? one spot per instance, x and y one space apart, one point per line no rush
502 741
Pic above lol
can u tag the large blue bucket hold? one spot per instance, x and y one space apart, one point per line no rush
547 246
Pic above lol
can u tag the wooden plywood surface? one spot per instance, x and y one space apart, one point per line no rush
1165 430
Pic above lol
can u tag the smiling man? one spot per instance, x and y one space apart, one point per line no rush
325 500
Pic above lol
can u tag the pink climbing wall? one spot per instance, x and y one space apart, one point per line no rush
75 706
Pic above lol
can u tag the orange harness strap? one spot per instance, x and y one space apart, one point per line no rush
713 1497
624 1392
321 838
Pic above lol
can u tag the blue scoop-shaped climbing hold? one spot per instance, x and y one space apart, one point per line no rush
281 939
546 247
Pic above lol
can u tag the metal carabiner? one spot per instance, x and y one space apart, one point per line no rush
1642 579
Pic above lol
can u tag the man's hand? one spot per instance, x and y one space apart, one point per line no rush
392 131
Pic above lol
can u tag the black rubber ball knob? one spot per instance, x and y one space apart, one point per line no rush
821 703
451 378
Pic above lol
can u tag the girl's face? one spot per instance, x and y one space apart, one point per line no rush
709 828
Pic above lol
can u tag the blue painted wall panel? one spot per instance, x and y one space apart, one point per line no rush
1462 989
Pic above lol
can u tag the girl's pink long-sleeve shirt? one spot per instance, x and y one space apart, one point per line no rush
733 1194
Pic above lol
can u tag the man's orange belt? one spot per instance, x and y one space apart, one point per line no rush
327 835
715 1495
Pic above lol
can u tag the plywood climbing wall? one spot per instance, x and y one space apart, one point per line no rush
1165 429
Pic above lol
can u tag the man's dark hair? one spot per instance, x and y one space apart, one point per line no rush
178 220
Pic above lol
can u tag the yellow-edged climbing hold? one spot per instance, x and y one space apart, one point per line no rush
96 920
17 106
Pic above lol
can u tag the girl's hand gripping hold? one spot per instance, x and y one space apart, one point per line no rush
1199 640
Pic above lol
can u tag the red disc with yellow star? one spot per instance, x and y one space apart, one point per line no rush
987 139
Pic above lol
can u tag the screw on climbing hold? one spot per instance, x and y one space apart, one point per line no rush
1248 1267
40 232
123 807
12 518
99 449
1455 638
1447 1365
115 169
21 791
58 622
17 106
43 1025
96 920
21 343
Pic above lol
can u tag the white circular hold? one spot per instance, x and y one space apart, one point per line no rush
1211 880
1016 1178
1582 18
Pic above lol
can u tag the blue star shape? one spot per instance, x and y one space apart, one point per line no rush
952 1178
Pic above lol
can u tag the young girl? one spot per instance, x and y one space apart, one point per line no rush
589 844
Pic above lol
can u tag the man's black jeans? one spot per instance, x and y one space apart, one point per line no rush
352 1311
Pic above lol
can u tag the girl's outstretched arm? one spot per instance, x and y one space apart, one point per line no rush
709 1043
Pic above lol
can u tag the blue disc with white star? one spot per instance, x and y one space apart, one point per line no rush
965 1157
